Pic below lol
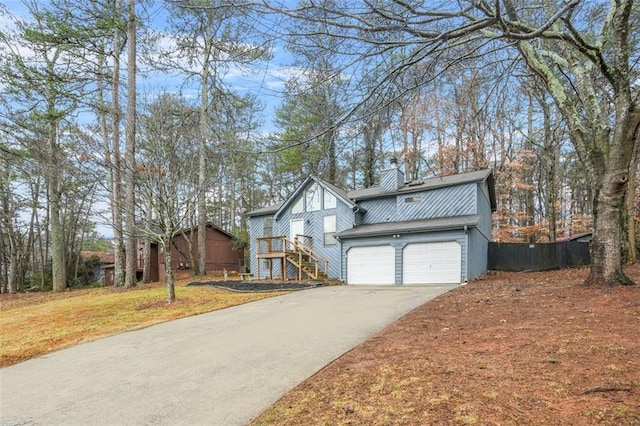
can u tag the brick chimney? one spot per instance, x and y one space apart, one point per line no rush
391 179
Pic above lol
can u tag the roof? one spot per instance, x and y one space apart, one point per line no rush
209 225
574 237
326 185
268 210
426 184
104 257
413 226
274 209
352 197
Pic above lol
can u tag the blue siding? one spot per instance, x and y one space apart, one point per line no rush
442 202
478 246
314 227
255 230
379 210
484 210
459 200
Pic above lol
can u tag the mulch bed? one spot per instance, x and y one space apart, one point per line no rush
258 286
515 349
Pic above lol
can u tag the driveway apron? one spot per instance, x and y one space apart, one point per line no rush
219 368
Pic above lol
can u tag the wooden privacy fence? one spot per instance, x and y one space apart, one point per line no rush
537 257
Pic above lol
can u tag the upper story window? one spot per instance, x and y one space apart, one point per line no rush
313 199
330 201
298 206
267 226
329 230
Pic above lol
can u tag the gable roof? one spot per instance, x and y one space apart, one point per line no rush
352 197
209 225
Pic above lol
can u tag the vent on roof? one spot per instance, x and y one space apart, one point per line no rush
416 183
413 199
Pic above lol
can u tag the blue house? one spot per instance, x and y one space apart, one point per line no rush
429 231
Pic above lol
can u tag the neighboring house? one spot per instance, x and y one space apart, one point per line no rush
421 232
220 254
97 274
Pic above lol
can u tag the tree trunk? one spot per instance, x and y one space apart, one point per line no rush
171 291
606 246
58 263
116 169
146 268
201 267
131 254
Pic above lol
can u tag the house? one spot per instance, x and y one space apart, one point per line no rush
420 232
97 260
220 254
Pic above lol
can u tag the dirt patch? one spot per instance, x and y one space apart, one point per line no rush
508 349
257 286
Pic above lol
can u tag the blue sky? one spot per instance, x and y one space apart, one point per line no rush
265 80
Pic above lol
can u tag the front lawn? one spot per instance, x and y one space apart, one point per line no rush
38 323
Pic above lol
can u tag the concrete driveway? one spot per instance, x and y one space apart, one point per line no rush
220 368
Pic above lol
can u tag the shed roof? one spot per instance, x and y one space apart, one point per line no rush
264 211
413 226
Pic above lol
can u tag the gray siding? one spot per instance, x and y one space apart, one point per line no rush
442 202
484 210
255 230
400 243
459 200
314 227
379 210
478 253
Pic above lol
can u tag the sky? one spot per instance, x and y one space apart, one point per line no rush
265 80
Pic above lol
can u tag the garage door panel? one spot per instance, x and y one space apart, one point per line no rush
371 265
432 263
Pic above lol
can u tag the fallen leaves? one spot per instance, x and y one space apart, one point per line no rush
508 349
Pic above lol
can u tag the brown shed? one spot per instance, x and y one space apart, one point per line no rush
220 253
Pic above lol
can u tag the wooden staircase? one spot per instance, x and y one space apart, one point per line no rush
299 253
309 264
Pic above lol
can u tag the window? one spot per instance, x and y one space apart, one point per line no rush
329 229
413 200
298 207
267 227
313 198
329 200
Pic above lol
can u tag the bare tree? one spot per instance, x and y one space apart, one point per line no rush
582 52
167 178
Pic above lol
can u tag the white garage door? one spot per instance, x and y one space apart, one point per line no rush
432 263
371 265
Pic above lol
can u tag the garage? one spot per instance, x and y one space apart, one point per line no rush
432 263
371 265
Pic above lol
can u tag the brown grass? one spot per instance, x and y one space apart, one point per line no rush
509 349
38 323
